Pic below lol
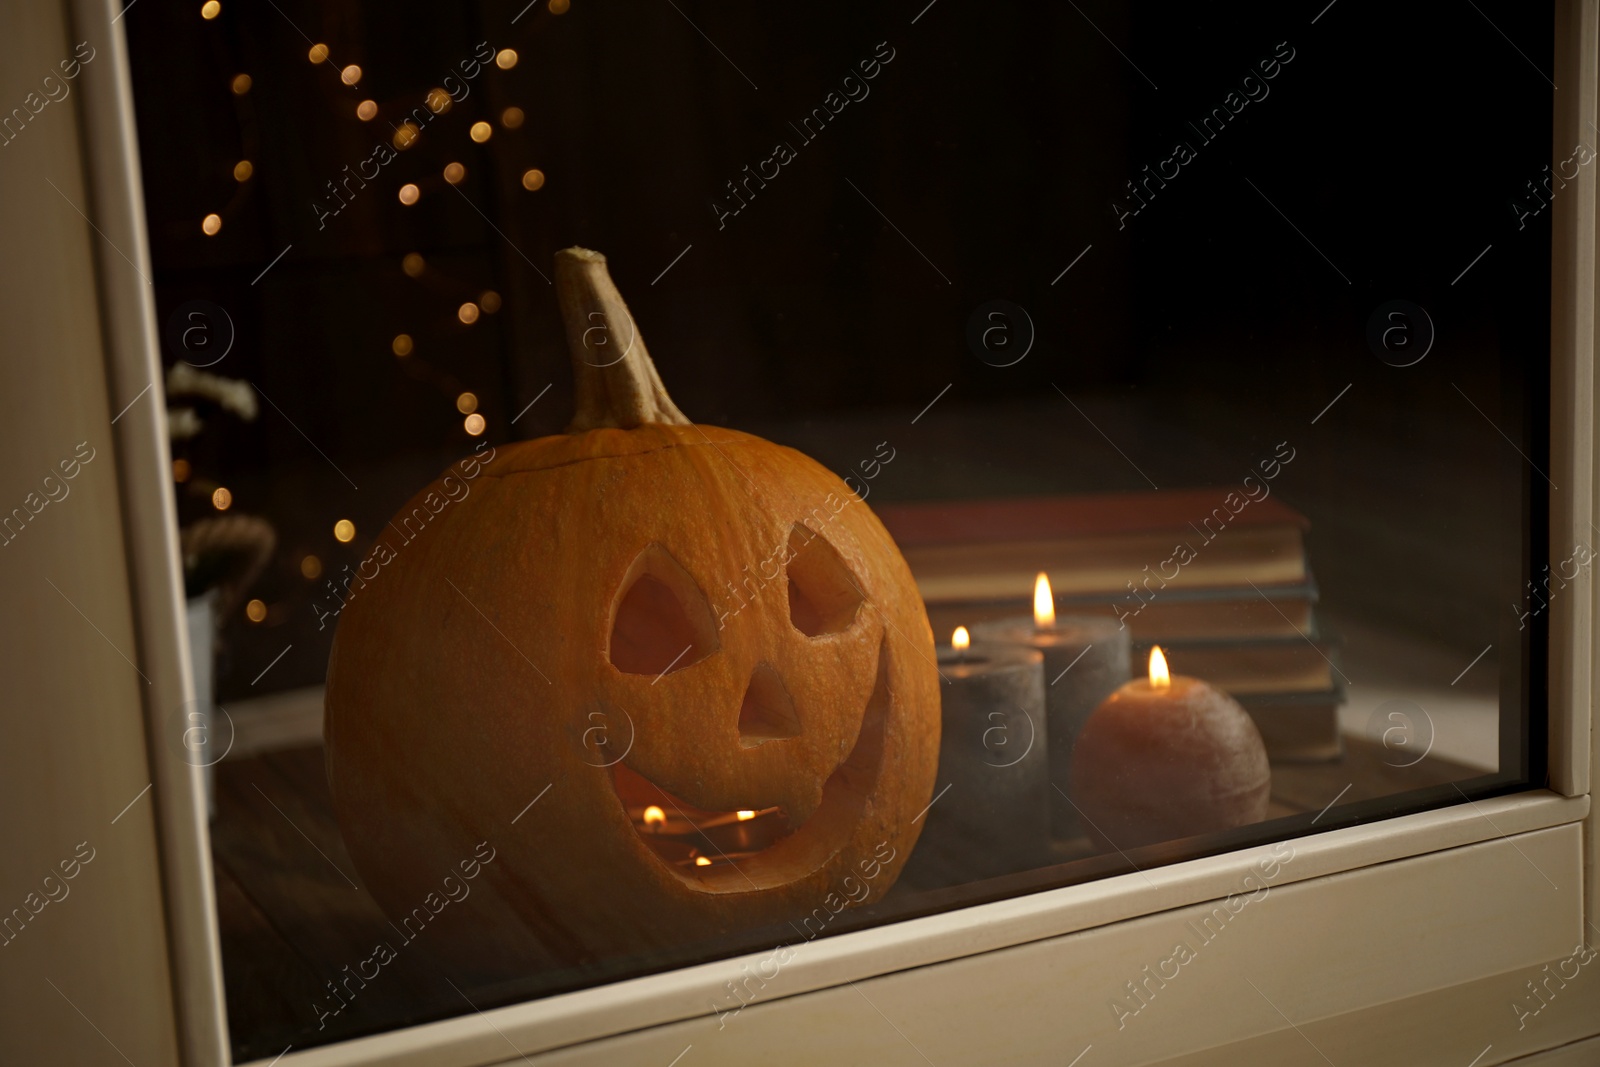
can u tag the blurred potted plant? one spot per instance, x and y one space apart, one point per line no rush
223 552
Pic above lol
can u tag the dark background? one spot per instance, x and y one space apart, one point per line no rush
1191 341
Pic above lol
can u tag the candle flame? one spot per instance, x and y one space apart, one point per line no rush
702 861
745 816
1160 678
654 816
1044 604
960 639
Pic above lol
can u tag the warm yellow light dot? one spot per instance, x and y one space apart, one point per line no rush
350 75
242 170
255 611
409 194
405 135
467 313
511 118
489 301
413 264
454 173
506 59
401 344
221 498
654 816
311 567
318 53
961 639
466 403
241 84
559 7
745 816
481 131
438 101
699 861
532 179
180 470
473 424
367 110
211 225
344 530
210 9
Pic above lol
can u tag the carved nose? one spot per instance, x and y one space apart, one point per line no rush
767 711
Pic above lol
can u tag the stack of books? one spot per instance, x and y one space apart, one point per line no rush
1218 579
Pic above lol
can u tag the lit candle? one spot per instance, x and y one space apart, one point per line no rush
691 838
1166 757
991 815
1084 660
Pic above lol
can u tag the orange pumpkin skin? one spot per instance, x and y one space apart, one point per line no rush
467 675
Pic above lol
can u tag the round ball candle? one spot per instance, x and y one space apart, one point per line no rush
1084 660
1166 757
992 809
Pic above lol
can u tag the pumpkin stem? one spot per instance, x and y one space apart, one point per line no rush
617 384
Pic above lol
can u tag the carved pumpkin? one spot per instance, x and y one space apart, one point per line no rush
641 611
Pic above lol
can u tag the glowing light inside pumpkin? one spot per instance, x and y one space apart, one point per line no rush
654 816
702 861
1044 604
960 640
1160 678
745 816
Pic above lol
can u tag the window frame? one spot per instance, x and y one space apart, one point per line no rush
978 936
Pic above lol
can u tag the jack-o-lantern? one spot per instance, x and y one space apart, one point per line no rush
675 680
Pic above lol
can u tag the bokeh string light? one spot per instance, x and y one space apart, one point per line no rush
406 135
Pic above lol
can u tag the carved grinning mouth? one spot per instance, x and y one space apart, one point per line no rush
754 849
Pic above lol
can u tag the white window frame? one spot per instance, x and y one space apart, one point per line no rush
1030 977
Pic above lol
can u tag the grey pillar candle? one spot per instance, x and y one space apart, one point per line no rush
1085 660
991 815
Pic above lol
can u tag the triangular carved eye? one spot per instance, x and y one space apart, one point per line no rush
767 713
662 622
823 595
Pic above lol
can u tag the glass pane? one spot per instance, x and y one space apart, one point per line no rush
543 658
